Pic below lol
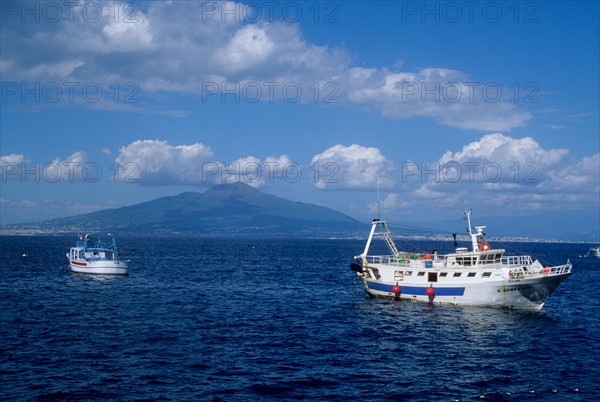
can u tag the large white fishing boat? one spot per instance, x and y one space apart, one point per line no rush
482 276
94 256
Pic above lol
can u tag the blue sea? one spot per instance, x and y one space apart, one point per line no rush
252 320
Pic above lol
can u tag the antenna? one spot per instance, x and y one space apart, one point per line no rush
378 202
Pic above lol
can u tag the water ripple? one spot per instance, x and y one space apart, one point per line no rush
246 320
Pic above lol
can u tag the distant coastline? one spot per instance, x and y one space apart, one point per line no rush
252 233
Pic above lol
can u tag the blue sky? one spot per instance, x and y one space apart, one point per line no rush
490 105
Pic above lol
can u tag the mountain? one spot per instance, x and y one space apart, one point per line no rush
225 209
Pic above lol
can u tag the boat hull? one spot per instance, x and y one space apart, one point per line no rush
522 294
105 267
482 276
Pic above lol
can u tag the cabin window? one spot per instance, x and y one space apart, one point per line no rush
486 274
421 273
376 274
407 273
443 274
432 277
491 258
457 274
466 261
471 274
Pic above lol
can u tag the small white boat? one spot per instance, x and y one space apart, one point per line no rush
593 252
482 276
93 256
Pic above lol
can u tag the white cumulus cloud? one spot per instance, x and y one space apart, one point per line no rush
156 162
582 175
72 168
448 96
10 166
197 48
258 173
249 47
515 174
159 163
352 167
503 149
13 158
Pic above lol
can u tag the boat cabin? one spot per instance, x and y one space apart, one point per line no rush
475 259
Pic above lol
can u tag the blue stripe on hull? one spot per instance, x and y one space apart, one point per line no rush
417 290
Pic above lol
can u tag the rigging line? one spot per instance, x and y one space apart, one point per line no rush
410 245
440 231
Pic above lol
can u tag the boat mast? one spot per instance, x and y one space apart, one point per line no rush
387 235
468 218
470 230
370 239
474 236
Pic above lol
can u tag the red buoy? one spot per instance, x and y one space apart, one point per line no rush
396 290
547 270
430 292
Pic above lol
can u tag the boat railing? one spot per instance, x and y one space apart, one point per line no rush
514 260
537 270
98 250
90 245
388 259
560 269
401 260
